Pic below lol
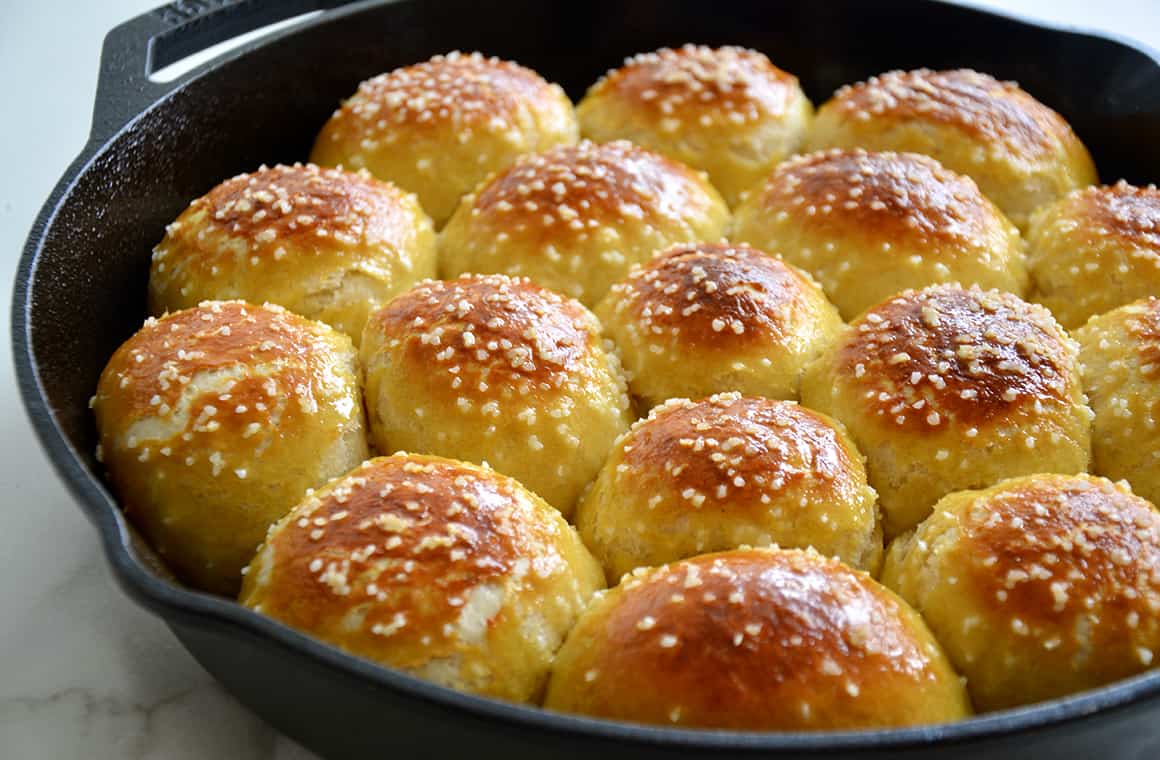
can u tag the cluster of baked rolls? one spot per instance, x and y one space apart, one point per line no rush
798 386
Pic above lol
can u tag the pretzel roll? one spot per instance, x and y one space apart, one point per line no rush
945 389
727 111
441 569
1038 587
575 219
728 471
440 127
702 318
490 368
214 421
758 639
327 244
1022 153
869 225
1120 359
1094 250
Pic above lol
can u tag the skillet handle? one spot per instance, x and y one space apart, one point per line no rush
150 42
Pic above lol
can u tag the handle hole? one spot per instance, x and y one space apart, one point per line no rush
171 56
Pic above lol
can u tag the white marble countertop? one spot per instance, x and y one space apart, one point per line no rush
83 672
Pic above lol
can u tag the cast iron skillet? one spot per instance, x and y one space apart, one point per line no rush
81 284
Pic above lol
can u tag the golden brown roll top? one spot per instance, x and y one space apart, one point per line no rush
439 127
1038 587
490 368
868 225
1010 353
575 219
1120 360
441 569
949 388
703 318
327 244
728 471
1022 153
1094 250
522 337
769 640
214 421
727 111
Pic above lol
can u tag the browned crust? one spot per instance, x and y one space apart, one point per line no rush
567 191
403 538
1144 327
756 639
975 104
926 358
738 84
297 207
735 453
882 196
480 336
717 296
456 91
1049 549
151 369
1121 211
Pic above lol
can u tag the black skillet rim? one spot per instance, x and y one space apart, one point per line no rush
202 610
